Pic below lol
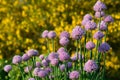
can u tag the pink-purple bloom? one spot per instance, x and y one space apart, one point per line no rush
64 41
7 68
99 6
27 69
99 14
63 56
87 17
41 57
45 63
69 64
62 67
90 25
48 70
90 45
52 55
84 21
31 79
38 64
64 34
42 74
16 59
54 62
32 52
90 66
77 33
98 35
36 70
61 49
103 26
104 47
74 75
51 35
108 19
45 34
25 57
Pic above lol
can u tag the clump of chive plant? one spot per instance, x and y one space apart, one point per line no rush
59 64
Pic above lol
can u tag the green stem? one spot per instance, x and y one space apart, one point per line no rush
90 54
77 48
48 46
96 50
104 66
21 72
84 47
53 45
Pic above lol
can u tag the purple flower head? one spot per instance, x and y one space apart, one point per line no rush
45 63
48 70
108 19
38 64
104 47
51 35
77 33
99 14
90 25
90 45
64 56
64 34
99 6
87 17
25 57
32 52
74 75
62 67
27 69
98 35
31 79
41 57
54 62
36 70
42 73
62 49
84 21
52 55
90 66
7 68
45 34
103 26
64 41
16 59
74 58
69 64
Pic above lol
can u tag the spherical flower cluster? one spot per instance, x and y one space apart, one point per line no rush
74 58
52 55
38 64
48 70
64 34
54 62
51 35
35 71
41 57
42 73
7 68
90 66
74 75
99 14
103 26
99 6
63 56
27 69
45 34
31 79
25 57
90 45
32 52
45 63
77 33
104 47
84 21
87 17
16 59
64 41
62 49
108 19
62 67
90 25
98 35
69 64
